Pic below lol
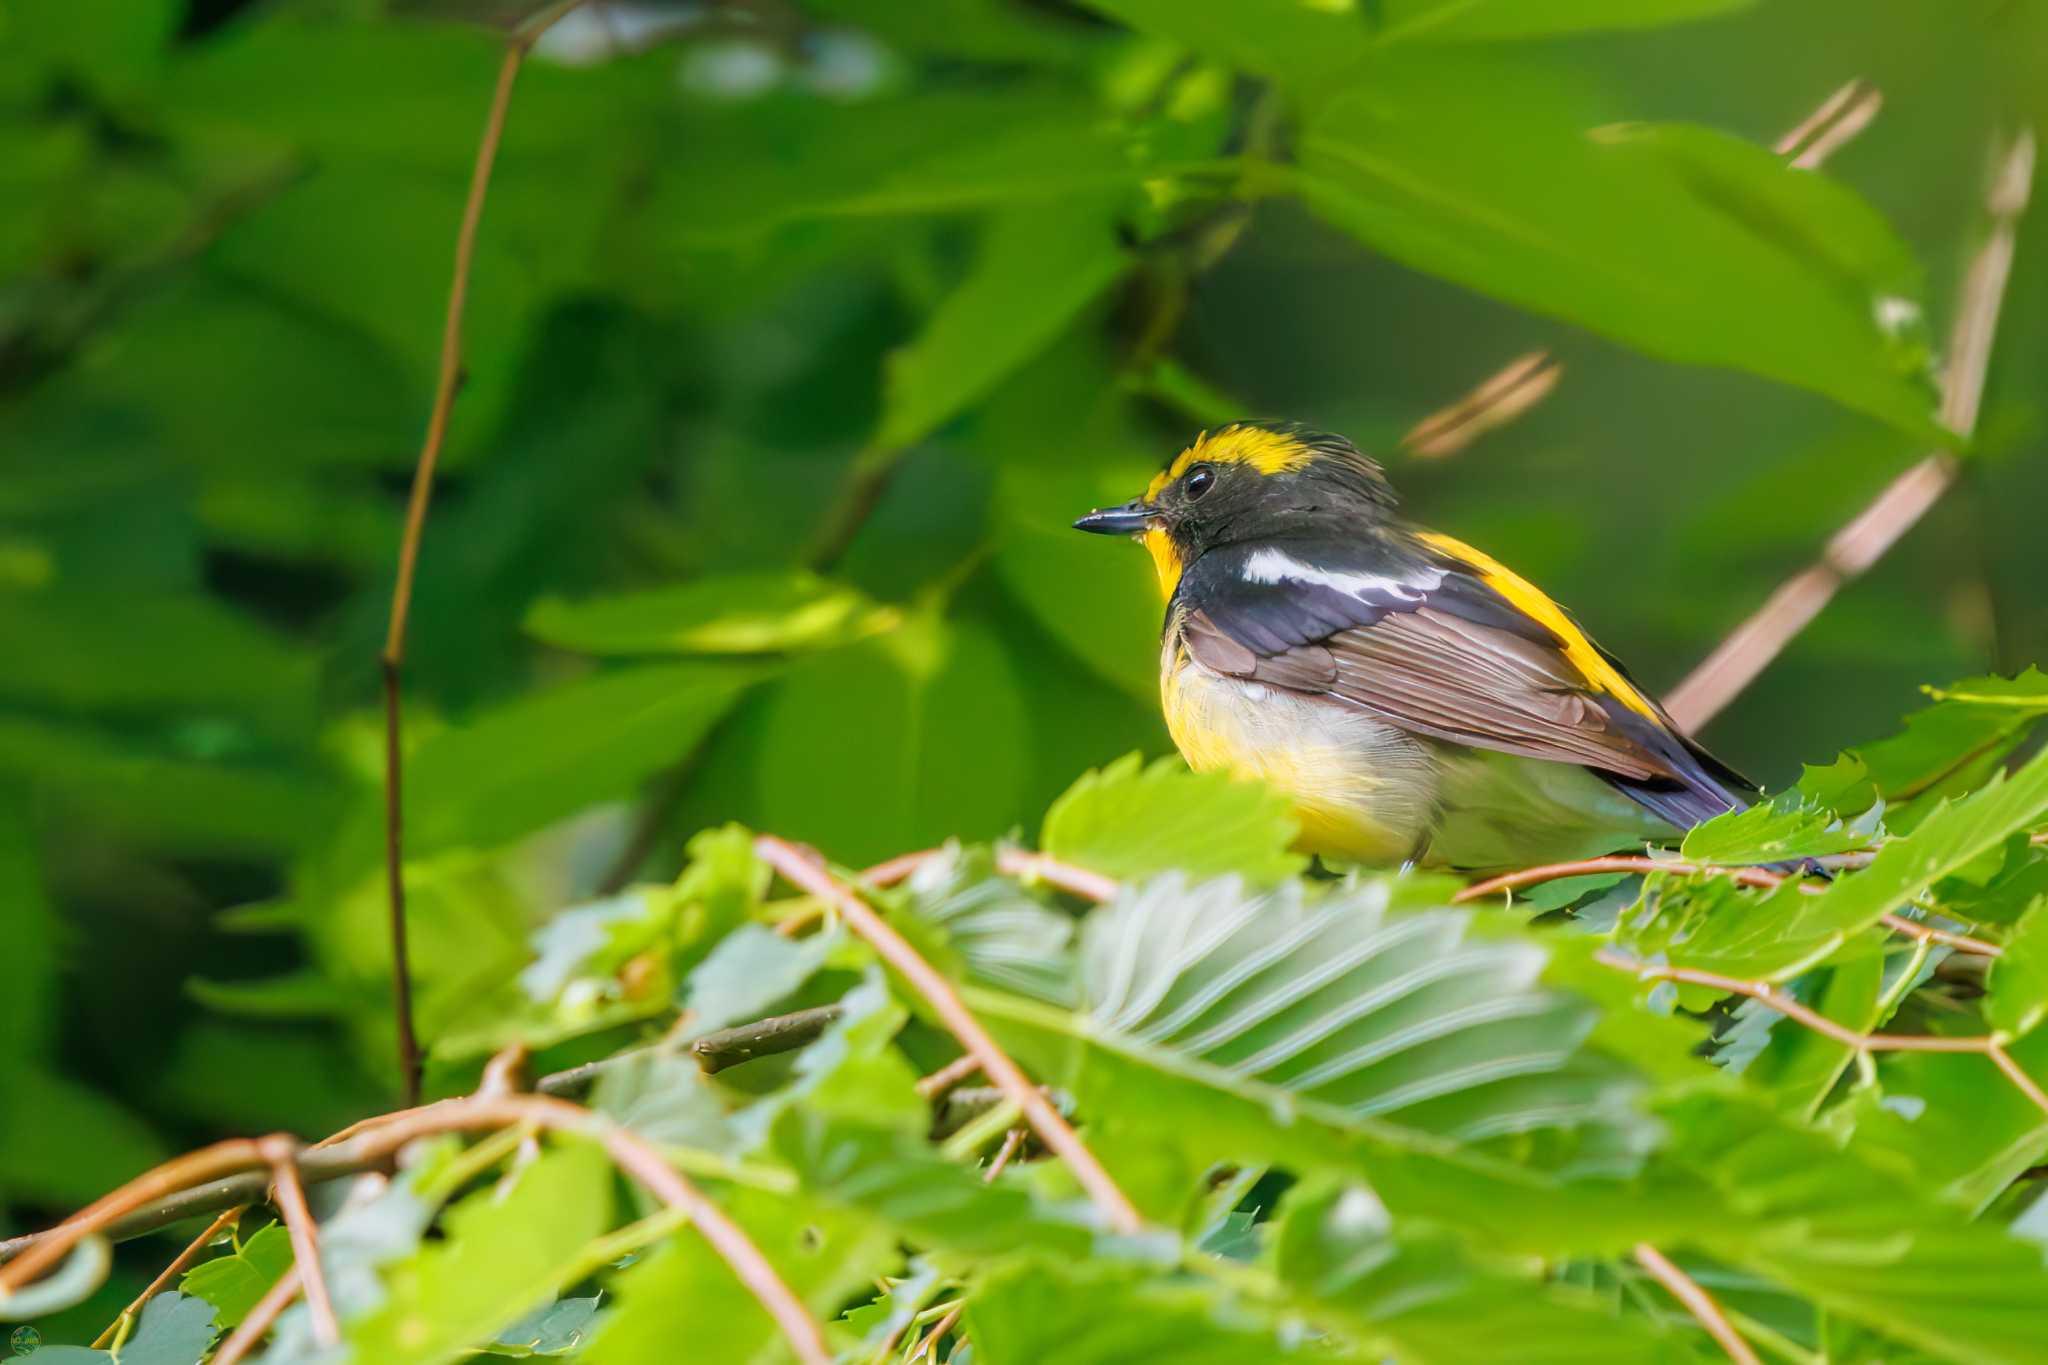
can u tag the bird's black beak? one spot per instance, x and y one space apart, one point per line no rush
1128 520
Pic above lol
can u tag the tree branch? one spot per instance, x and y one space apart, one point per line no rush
1697 1301
799 868
1751 647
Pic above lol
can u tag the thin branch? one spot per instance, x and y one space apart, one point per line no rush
282 1155
939 1329
1012 1142
949 1075
185 1258
798 867
1079 881
1840 117
392 660
1989 1046
1751 647
1697 1301
1494 402
250 1329
378 1139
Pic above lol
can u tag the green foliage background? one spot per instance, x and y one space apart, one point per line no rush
1011 254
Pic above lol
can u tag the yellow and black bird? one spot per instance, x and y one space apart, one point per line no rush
1417 700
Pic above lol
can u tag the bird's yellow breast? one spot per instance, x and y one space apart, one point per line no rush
1362 790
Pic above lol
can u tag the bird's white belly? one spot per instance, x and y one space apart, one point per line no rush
1362 788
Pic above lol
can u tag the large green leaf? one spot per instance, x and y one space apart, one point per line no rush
172 1330
1458 20
1473 171
1134 820
766 613
549 754
1038 267
1005 935
1970 721
233 1283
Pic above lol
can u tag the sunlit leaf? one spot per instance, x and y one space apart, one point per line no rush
728 614
233 1283
1134 820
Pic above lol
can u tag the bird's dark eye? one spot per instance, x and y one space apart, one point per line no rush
1200 480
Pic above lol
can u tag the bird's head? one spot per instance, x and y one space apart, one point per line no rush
1248 481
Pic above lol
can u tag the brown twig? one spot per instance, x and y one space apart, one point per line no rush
1840 117
939 1329
1012 1142
949 1075
379 1138
1026 866
1697 1301
800 869
1762 992
1751 647
250 1329
281 1153
1494 402
185 1258
392 659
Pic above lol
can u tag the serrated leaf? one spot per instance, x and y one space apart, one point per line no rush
233 1283
553 1329
1129 820
1434 1301
506 1250
173 1330
757 613
683 1303
1006 936
1787 827
1354 1004
2017 999
751 968
1970 720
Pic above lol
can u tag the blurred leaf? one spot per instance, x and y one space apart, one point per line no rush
896 743
1458 20
118 41
1343 1260
1304 46
1685 243
555 1329
729 614
172 1330
1005 935
683 1297
1037 269
507 1249
2018 998
664 1098
1095 1314
234 1282
550 754
1133 820
65 1144
749 970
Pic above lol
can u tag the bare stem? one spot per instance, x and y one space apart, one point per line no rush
1737 661
185 1258
282 1155
1697 1301
801 870
250 1329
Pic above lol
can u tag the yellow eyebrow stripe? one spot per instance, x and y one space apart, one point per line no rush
1269 452
1531 601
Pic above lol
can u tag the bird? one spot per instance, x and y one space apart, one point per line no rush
1417 701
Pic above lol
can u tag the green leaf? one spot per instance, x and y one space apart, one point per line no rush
1429 1299
233 1283
1129 820
554 1329
1092 1314
749 970
542 757
173 1330
1684 243
1787 827
1460 20
1037 269
682 1302
1357 1004
2018 988
506 1251
937 749
1852 1237
1005 935
762 613
1969 721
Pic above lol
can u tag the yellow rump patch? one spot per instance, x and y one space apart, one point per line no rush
1269 452
1530 599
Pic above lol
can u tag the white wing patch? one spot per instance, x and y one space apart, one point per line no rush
1269 565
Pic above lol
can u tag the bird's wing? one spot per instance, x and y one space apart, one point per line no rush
1438 639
